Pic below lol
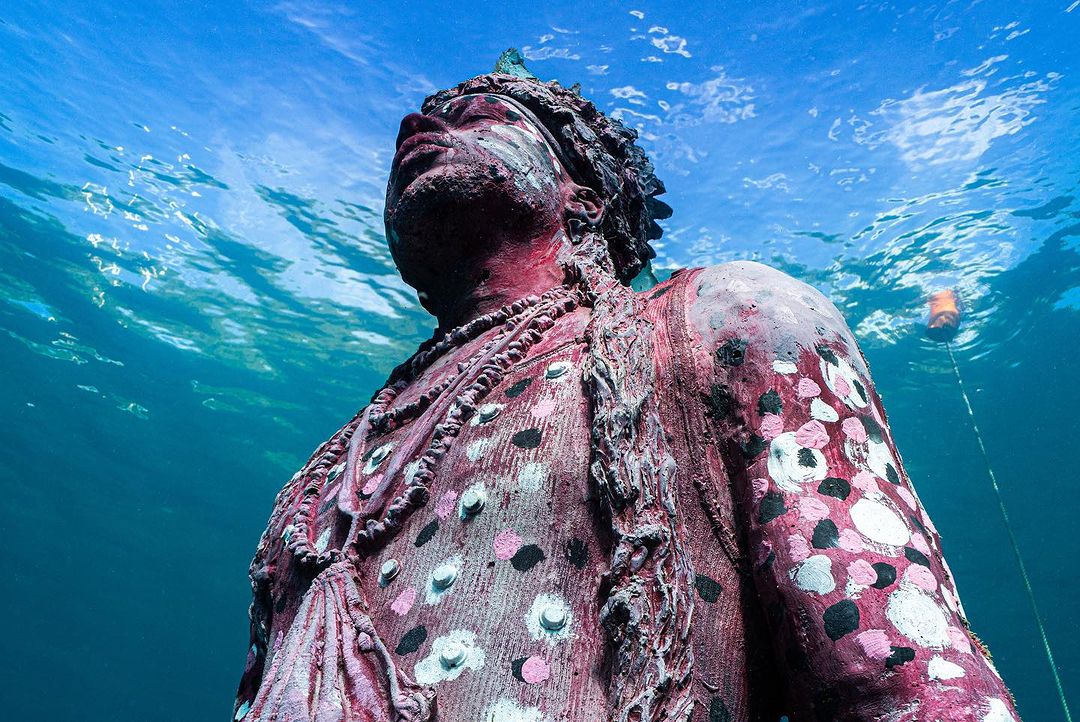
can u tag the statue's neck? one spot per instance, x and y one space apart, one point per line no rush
483 285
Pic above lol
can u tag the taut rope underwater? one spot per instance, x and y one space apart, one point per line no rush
942 326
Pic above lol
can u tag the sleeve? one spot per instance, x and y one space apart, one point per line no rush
860 602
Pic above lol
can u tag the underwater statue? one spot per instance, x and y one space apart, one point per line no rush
579 502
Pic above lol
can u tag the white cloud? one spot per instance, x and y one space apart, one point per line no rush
623 113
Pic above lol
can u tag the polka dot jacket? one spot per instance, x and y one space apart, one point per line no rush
820 588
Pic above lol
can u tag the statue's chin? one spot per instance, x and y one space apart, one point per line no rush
449 204
432 207
443 219
434 226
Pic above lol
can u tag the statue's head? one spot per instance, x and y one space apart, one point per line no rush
506 156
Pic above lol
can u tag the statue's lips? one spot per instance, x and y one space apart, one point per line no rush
417 152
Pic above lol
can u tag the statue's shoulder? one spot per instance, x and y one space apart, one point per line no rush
751 301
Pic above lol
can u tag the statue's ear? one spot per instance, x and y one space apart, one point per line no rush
584 205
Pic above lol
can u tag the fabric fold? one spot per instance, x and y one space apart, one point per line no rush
331 666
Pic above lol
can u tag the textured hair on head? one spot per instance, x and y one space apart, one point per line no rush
601 151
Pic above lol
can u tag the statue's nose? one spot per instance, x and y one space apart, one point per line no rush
414 123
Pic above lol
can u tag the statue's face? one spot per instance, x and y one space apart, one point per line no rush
472 170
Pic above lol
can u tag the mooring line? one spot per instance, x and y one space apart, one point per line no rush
1012 537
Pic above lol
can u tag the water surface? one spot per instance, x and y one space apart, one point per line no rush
195 288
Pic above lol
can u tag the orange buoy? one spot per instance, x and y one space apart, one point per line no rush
944 319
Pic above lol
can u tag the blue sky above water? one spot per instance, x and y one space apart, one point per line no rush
196 289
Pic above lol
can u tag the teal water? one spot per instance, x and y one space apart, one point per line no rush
195 289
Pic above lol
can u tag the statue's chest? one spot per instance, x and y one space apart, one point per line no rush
492 584
487 590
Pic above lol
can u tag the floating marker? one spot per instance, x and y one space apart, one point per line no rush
944 319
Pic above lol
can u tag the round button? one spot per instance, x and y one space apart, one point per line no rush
553 618
452 655
389 569
487 412
473 500
557 369
444 576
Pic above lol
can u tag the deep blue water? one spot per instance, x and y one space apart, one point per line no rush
195 289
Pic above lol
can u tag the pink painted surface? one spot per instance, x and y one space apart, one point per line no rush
851 541
812 435
535 670
798 548
854 430
907 497
841 386
372 484
404 602
862 628
771 426
861 572
670 403
759 487
807 388
919 542
864 481
507 543
875 643
921 577
542 409
959 639
812 509
447 504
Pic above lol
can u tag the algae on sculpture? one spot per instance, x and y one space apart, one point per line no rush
581 502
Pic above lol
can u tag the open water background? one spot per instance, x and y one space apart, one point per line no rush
195 289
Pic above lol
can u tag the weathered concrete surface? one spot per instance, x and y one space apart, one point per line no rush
578 502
